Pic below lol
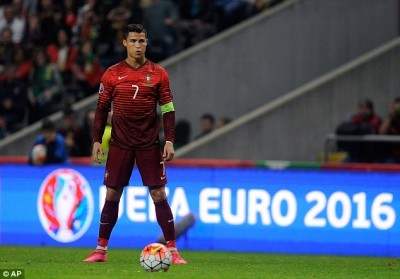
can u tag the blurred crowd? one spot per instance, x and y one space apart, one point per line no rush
366 121
54 52
72 137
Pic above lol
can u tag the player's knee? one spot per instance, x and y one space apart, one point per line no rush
114 194
158 194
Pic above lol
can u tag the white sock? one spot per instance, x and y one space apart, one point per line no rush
101 248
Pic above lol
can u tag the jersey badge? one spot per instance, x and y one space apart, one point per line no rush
147 80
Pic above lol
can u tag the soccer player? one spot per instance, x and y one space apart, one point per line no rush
134 87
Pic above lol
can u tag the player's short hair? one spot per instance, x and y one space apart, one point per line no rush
135 28
48 126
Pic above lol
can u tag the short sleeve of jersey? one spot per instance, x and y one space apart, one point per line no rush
106 90
103 105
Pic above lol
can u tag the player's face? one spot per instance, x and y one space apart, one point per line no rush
136 44
49 136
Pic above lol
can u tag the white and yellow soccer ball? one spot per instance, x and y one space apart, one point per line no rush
155 257
39 154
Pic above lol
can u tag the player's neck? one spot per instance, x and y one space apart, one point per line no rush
136 63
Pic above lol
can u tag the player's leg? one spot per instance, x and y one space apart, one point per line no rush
152 170
108 219
109 216
118 172
166 221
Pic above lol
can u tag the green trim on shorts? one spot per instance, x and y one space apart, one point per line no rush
168 107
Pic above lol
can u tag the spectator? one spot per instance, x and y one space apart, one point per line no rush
87 6
63 55
20 10
135 9
71 12
87 72
160 19
6 47
87 136
30 7
257 6
8 18
59 20
22 63
86 20
207 124
119 14
391 126
196 21
47 23
45 94
13 95
88 29
229 12
34 36
71 132
117 18
56 151
108 44
222 122
182 133
364 122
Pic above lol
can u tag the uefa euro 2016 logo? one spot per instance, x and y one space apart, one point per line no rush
65 205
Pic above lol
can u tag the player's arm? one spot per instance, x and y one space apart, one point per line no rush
99 125
168 114
100 119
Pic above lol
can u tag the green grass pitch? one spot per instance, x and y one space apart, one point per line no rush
49 263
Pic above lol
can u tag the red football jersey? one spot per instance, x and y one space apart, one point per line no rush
134 95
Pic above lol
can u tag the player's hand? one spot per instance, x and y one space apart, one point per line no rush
169 151
95 152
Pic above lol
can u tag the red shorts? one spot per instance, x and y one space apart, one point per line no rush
120 163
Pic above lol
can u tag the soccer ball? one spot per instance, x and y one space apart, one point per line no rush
155 257
39 153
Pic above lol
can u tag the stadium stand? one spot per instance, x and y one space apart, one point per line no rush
291 52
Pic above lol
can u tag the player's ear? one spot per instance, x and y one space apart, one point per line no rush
124 42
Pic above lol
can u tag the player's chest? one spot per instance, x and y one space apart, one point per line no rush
137 86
